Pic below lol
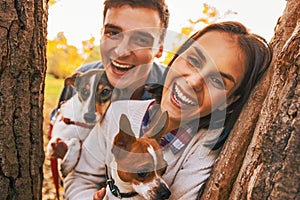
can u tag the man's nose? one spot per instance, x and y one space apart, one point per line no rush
123 48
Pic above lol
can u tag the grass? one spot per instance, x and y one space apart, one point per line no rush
53 88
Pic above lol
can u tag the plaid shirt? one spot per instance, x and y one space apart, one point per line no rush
177 138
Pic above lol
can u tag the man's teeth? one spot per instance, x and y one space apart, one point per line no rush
180 97
120 65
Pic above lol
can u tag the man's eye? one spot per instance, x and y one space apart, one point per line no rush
217 83
142 41
114 35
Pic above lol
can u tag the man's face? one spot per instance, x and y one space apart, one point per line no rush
129 43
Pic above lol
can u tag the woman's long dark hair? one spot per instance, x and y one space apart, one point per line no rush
258 56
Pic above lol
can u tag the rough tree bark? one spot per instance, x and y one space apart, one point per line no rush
261 159
23 32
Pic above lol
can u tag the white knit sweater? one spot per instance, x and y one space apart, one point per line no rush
187 170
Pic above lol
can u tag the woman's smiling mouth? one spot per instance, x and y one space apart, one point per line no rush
181 98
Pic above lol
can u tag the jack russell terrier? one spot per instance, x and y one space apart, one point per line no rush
138 164
78 115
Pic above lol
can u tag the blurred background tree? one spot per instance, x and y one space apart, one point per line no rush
63 58
208 15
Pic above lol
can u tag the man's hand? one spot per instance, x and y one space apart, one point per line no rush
99 195
60 148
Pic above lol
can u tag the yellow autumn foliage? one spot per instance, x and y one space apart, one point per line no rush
63 59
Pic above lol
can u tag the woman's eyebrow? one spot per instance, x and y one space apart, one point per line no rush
228 76
200 54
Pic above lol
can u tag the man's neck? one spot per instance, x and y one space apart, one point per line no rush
137 94
131 93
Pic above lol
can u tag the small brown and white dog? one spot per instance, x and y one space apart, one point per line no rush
77 116
138 164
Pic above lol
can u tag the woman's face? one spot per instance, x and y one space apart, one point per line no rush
204 77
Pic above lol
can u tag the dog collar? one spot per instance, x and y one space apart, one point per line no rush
115 190
81 124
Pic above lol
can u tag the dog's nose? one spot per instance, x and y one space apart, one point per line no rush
163 192
89 117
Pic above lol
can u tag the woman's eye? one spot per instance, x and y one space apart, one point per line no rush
195 61
217 82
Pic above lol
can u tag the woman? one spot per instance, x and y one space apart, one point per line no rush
207 84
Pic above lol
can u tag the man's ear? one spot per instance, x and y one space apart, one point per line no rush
229 101
160 51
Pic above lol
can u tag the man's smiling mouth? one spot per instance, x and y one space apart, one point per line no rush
121 67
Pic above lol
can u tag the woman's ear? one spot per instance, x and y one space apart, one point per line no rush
229 101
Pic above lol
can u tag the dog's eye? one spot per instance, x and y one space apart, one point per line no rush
142 174
85 93
105 92
164 169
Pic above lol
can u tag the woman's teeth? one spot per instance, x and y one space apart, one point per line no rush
181 98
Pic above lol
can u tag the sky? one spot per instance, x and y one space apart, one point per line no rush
82 19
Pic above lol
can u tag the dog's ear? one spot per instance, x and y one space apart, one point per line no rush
158 125
70 80
124 139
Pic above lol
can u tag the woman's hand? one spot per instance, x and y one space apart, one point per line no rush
60 148
99 195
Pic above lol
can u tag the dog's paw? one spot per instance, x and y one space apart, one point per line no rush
72 156
49 149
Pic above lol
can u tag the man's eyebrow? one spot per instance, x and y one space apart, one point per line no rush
112 27
200 54
144 34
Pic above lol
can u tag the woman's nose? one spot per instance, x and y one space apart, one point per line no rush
196 81
122 49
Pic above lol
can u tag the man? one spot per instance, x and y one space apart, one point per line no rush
132 37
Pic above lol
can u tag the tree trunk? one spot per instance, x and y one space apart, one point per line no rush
22 72
261 159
